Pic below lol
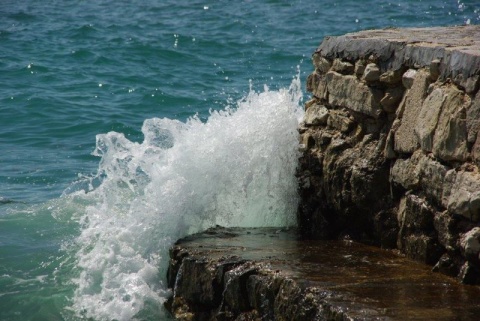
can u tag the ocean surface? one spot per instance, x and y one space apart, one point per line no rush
125 125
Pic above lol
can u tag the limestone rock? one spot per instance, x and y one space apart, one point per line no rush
321 64
450 140
405 138
360 68
443 223
428 117
432 177
348 92
462 194
343 67
473 119
469 273
435 69
470 244
422 248
371 73
408 78
316 115
392 98
405 172
340 121
391 77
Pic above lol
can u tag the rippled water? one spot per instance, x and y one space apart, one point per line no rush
125 125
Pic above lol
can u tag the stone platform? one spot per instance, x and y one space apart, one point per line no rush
268 274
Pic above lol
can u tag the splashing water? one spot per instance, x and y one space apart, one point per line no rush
236 169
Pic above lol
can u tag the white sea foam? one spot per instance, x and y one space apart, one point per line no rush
236 169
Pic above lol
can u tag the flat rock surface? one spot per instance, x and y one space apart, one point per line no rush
458 48
367 282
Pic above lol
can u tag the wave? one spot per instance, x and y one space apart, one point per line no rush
235 169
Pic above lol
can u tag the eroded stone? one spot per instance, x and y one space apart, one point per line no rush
405 138
450 140
316 115
348 92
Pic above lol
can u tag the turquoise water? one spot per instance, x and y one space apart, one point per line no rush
125 125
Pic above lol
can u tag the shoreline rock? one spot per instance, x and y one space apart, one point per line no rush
396 163
269 274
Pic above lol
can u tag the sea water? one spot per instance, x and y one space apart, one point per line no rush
126 125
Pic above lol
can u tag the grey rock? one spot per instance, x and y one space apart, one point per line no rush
458 48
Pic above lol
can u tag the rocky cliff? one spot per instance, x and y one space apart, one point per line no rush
391 150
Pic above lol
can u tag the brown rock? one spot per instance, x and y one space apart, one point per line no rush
392 98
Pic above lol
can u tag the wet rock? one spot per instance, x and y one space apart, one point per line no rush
469 274
444 225
423 248
269 274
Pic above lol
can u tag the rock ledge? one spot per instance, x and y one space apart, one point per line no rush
268 274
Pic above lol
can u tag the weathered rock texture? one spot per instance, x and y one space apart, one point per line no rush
391 144
267 274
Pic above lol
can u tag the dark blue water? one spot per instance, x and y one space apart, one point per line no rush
85 220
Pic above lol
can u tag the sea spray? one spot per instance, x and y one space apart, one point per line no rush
235 169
